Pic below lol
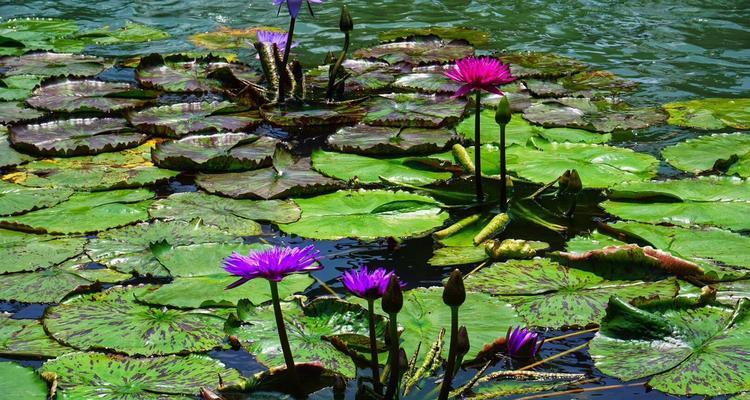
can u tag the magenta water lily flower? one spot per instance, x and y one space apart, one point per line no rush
366 283
272 264
522 343
480 73
294 5
277 38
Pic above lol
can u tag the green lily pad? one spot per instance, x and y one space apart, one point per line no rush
427 83
17 199
729 293
383 140
690 349
111 377
467 253
11 112
125 169
312 115
595 115
53 64
203 258
457 255
76 137
9 157
712 200
366 77
472 36
519 131
289 176
413 110
366 214
22 35
27 338
229 38
416 52
19 382
180 73
541 65
130 32
178 120
369 170
710 113
590 84
592 241
547 294
728 152
18 87
216 153
137 248
233 216
86 212
71 96
113 321
26 252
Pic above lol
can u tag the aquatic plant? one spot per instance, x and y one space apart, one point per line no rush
294 7
393 301
503 117
335 82
277 38
454 294
522 343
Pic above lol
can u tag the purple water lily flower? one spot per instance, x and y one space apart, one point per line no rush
367 284
294 5
480 73
522 343
272 264
277 38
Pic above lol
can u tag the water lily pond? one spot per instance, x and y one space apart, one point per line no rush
374 200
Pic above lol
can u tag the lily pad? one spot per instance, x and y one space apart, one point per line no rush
689 348
595 115
17 199
204 258
472 36
53 64
729 293
233 216
76 137
382 140
710 113
111 377
369 170
125 169
18 87
724 152
27 338
86 212
590 84
22 35
427 83
366 214
130 32
11 112
547 294
71 96
19 382
312 115
413 110
178 120
230 38
366 77
288 176
717 201
9 157
215 153
180 73
26 252
541 65
113 321
416 52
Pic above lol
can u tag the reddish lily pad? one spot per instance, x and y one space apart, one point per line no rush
367 77
413 110
591 84
427 83
416 52
366 139
87 95
185 74
595 115
53 64
313 115
215 153
541 65
182 119
11 112
229 38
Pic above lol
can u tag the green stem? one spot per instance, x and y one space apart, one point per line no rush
478 149
448 375
393 357
503 172
335 72
287 50
288 359
374 348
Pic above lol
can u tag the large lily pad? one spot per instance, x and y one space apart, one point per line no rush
710 113
26 252
185 74
519 131
711 200
427 83
17 199
366 214
416 52
129 32
125 169
547 294
18 87
312 115
233 216
596 115
19 382
204 258
113 321
473 36
591 84
182 119
288 176
9 157
413 110
722 152
690 348
27 338
76 137
215 153
541 65
11 112
53 64
230 38
111 377
369 170
22 35
87 96
366 139
366 77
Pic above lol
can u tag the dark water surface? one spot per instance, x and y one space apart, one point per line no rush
675 49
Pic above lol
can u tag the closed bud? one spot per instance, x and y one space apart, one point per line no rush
454 293
403 360
503 114
345 22
462 342
564 181
393 299
574 184
330 58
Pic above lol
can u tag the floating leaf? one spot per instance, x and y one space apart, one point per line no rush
366 139
416 52
366 214
215 153
541 65
472 36
182 119
730 152
366 77
729 293
203 258
25 252
427 83
185 74
236 217
27 338
690 348
17 199
593 241
113 321
229 38
53 64
11 112
18 87
9 157
312 115
71 96
710 113
591 84
130 32
457 255
75 137
413 110
39 34
85 213
111 377
19 382
369 170
595 115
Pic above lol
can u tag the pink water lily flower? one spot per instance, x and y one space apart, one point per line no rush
294 5
480 73
272 264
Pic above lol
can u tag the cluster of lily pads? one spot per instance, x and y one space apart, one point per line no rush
95 221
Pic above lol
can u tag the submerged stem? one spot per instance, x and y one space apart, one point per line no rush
448 375
285 62
288 359
373 347
393 357
478 148
503 172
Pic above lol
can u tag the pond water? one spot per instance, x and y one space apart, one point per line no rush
676 49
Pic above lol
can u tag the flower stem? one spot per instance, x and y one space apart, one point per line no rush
335 72
478 149
285 62
373 348
503 171
448 375
393 357
288 359
553 357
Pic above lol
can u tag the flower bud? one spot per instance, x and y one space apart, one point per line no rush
393 299
574 184
345 22
503 114
403 360
454 293
564 181
462 342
